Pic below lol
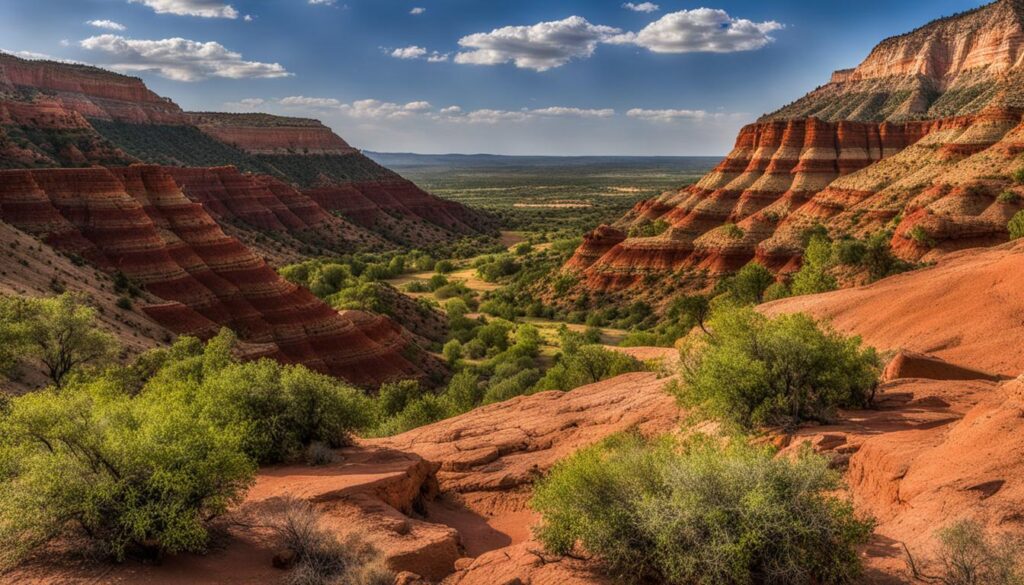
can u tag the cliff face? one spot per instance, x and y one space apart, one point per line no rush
937 184
57 114
137 220
953 66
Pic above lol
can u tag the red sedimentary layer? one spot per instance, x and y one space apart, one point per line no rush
91 92
279 137
785 176
136 220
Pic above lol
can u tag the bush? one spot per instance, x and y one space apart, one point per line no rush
61 333
1008 197
701 513
813 277
584 365
146 471
1016 226
749 284
322 559
452 352
754 371
968 556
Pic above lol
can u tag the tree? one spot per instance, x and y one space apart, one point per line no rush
695 308
146 471
755 371
60 332
700 513
452 352
750 283
813 277
584 365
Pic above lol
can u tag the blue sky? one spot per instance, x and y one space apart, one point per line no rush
555 77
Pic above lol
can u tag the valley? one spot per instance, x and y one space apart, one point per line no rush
236 348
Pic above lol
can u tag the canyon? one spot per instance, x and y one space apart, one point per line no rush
931 167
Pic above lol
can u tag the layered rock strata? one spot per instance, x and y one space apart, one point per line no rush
136 220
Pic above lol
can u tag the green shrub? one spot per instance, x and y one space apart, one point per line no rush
969 556
921 237
585 365
733 231
754 370
452 352
701 514
813 276
749 284
1008 197
1016 226
850 252
1018 176
61 333
145 471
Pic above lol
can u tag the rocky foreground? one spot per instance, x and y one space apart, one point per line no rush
449 502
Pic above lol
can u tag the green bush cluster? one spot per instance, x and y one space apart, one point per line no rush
142 457
701 513
752 370
1016 226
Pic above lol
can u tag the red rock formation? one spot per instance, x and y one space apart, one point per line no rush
265 134
937 173
136 220
89 91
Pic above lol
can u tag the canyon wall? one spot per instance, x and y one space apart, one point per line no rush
137 221
934 184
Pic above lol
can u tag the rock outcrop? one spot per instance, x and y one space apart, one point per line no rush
64 115
137 221
939 178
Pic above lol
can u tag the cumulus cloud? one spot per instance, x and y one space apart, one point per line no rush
361 109
323 2
418 10
414 52
180 59
704 30
203 8
107 24
410 52
539 47
303 101
669 115
642 7
573 112
245 104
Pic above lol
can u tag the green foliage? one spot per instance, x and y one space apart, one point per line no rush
701 513
1008 197
586 364
145 456
1016 226
754 371
1018 176
921 236
733 231
969 556
813 276
749 284
61 333
648 230
452 352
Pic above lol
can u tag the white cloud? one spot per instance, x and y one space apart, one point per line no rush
410 52
704 30
65 43
414 52
180 59
203 8
303 101
451 110
248 18
322 2
376 109
539 47
418 10
245 104
574 112
669 115
107 24
642 7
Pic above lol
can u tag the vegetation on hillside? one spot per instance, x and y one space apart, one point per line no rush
698 512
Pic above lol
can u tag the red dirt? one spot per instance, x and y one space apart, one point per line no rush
967 309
